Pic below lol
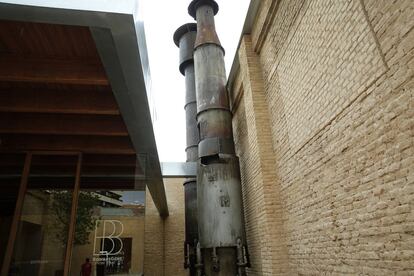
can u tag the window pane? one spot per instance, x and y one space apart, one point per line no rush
109 237
43 227
11 167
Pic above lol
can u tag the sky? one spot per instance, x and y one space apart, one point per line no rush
161 19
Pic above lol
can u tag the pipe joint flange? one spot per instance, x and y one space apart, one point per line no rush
189 181
191 146
215 146
184 37
189 101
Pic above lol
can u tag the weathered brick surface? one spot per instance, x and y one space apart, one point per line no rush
328 177
154 239
251 212
261 171
174 230
164 239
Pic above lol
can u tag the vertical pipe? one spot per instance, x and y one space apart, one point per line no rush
184 38
220 207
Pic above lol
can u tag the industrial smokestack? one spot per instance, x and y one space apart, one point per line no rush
222 239
184 38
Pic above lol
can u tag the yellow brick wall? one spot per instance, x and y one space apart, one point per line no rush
164 239
324 125
174 230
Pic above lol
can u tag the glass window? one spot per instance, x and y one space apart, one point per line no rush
109 232
42 234
109 236
11 168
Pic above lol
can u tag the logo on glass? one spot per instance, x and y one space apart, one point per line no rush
108 238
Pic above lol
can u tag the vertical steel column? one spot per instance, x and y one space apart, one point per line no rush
220 208
184 38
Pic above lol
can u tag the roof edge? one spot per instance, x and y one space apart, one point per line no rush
108 6
247 29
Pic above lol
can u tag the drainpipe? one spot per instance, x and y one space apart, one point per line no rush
222 239
184 38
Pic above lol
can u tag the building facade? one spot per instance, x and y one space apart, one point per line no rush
322 96
323 99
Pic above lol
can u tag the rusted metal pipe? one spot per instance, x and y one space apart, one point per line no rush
184 38
220 207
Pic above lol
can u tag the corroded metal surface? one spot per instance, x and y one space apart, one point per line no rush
190 195
221 231
220 217
190 96
206 28
209 63
190 114
194 5
184 38
191 132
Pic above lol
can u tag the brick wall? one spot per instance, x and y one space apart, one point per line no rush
324 123
164 239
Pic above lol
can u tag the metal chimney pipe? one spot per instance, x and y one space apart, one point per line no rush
222 239
184 38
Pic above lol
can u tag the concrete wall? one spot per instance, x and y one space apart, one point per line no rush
164 239
323 107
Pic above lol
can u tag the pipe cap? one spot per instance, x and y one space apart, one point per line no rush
186 28
195 4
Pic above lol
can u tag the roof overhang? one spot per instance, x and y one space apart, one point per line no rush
118 30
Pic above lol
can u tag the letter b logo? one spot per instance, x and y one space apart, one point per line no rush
109 236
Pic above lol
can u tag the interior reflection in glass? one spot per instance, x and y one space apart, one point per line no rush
109 235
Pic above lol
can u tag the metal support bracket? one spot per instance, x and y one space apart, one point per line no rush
179 169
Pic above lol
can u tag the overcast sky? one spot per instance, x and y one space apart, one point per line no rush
162 18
